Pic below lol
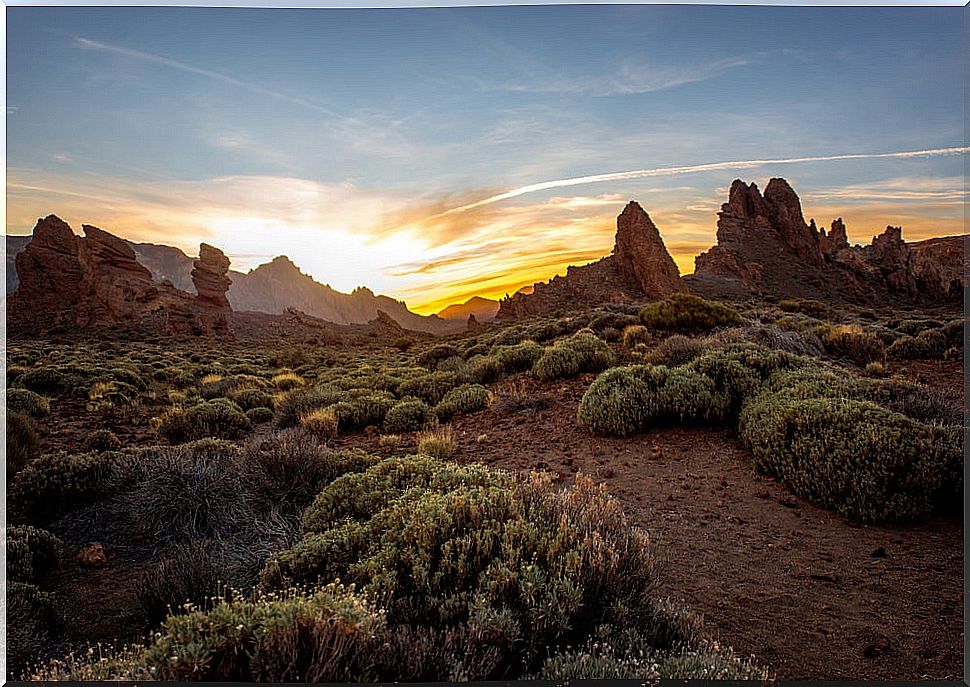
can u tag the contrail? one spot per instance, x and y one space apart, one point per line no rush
709 167
199 71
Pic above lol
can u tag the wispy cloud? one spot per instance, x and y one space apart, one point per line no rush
131 53
630 78
692 169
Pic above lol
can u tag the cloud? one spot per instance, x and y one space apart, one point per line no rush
691 169
631 78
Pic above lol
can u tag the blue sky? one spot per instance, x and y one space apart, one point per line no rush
333 135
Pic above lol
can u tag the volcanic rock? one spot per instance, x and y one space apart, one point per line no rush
209 276
764 247
639 267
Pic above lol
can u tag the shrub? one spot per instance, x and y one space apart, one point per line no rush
22 443
247 399
45 380
287 381
31 553
101 440
928 344
582 352
685 313
811 308
851 455
187 578
259 415
635 334
365 410
432 357
483 369
291 405
854 342
56 484
466 398
430 387
407 416
321 422
27 402
675 350
517 357
438 443
625 400
32 623
219 418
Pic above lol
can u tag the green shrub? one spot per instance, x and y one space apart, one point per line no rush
46 380
483 369
635 334
626 400
287 381
850 455
22 443
675 350
687 314
27 402
321 422
432 357
517 357
250 398
56 484
467 398
366 410
291 405
101 440
219 418
407 416
581 352
928 344
31 553
853 342
259 415
812 308
430 387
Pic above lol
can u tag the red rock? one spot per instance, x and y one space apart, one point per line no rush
209 276
92 555
640 254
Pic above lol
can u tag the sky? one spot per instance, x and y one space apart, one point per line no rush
439 153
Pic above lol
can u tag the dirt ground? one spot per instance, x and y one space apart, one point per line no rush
808 593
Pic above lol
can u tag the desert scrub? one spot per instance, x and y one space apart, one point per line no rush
581 352
928 344
852 456
287 381
688 314
467 398
626 400
675 350
812 308
47 381
517 357
435 355
321 422
32 623
430 387
483 369
259 415
186 579
292 404
101 440
27 402
52 485
22 443
219 418
31 553
530 567
853 342
408 415
634 334
438 443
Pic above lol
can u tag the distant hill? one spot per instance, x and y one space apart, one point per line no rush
270 288
483 309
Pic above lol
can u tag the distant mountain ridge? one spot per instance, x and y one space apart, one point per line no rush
484 309
273 287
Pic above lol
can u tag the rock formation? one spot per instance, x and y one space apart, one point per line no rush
68 282
209 276
764 247
639 268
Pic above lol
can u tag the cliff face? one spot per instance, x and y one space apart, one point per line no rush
68 281
765 247
640 267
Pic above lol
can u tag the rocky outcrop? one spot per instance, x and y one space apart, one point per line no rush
639 268
68 282
764 247
209 276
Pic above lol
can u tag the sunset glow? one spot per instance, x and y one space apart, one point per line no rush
434 180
